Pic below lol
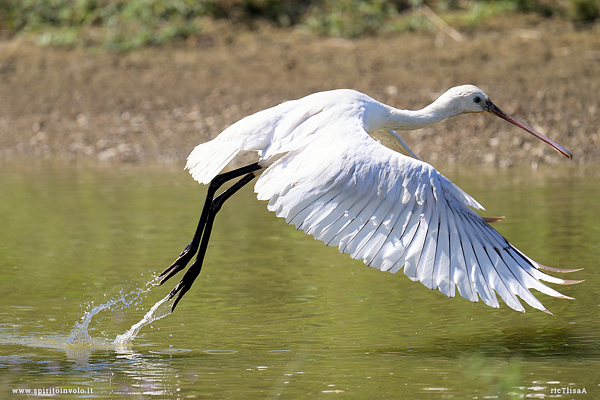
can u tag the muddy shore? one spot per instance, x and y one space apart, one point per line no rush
158 103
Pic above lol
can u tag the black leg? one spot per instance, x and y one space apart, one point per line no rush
212 205
192 273
188 252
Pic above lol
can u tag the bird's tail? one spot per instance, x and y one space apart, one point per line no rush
210 158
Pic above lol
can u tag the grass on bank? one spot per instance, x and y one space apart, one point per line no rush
128 24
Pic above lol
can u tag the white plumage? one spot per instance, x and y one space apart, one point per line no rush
326 171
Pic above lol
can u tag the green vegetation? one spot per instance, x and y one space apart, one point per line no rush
350 18
127 24
116 24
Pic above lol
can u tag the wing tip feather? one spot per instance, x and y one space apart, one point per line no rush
561 270
490 220
570 282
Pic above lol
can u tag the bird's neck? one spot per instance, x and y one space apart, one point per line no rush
408 120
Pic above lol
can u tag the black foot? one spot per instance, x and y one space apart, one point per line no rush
184 258
186 283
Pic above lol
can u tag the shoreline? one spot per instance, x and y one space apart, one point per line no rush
158 103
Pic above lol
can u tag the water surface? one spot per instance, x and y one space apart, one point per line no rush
275 314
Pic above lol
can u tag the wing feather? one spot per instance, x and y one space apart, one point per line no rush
427 260
479 267
460 274
441 274
491 267
415 250
325 228
351 206
361 243
393 211
377 238
406 242
516 277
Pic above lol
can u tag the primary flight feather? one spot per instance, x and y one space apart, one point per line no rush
332 164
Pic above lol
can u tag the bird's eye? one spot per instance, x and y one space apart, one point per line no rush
477 100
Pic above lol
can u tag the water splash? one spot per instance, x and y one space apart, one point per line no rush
161 309
80 336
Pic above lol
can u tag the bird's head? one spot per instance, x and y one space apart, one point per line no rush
464 99
470 99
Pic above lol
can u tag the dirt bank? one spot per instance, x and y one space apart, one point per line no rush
157 103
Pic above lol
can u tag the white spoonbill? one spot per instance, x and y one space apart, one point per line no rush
331 164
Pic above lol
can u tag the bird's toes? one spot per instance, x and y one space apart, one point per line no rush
170 271
174 291
178 290
180 263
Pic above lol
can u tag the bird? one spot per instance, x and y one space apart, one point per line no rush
333 165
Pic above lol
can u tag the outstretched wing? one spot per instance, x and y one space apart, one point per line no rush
393 211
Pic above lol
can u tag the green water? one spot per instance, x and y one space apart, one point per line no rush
275 314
